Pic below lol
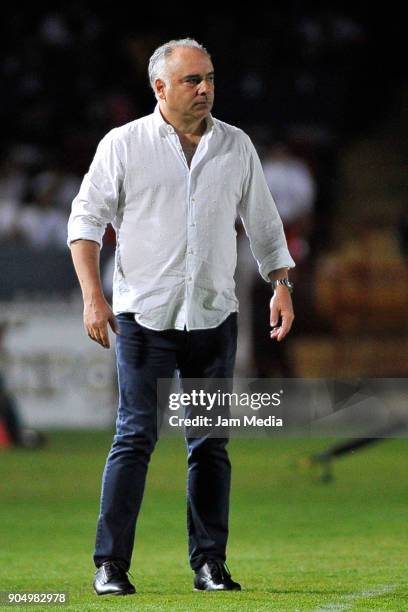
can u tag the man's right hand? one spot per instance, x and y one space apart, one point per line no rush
97 312
97 315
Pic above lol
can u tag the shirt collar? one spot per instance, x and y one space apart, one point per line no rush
165 128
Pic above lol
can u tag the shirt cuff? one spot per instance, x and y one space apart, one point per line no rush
275 262
88 233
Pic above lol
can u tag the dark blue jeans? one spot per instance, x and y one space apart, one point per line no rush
144 356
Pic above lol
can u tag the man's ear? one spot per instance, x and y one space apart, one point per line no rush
160 88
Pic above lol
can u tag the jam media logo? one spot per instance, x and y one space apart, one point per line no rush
249 421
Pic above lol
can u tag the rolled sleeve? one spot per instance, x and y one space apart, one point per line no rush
97 201
261 219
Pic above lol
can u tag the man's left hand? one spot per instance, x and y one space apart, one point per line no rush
281 312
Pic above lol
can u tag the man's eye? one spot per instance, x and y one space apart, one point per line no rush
197 80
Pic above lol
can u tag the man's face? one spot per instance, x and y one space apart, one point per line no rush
189 92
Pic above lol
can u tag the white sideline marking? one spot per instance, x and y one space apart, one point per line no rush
387 588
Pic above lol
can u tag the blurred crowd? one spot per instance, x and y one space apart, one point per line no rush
301 81
68 75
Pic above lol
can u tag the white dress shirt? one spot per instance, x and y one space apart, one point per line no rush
175 226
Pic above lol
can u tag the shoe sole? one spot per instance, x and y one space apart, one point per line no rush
115 594
215 590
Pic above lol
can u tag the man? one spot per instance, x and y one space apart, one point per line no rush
171 184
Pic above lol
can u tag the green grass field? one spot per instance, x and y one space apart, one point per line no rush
295 544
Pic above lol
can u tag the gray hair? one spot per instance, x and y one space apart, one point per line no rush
158 61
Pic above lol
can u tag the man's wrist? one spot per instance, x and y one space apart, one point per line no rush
282 282
93 297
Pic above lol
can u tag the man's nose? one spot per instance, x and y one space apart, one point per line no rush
204 87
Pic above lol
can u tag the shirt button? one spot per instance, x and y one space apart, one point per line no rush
170 129
192 224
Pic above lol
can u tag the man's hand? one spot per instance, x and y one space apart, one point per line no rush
97 315
97 312
281 310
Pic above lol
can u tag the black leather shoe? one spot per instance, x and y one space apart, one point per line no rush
111 579
214 576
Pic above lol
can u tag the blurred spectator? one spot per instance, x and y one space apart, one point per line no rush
57 185
9 220
293 189
13 433
42 226
13 177
15 170
41 221
71 73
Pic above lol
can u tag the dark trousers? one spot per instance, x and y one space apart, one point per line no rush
143 357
